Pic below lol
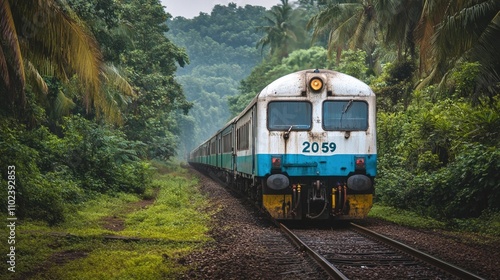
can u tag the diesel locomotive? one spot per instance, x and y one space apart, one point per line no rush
303 149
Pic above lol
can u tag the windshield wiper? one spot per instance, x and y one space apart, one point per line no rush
347 106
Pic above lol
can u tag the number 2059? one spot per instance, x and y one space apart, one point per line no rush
315 147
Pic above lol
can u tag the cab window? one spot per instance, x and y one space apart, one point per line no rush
345 115
289 115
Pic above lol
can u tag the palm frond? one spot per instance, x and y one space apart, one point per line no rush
11 53
36 79
359 30
57 44
323 21
433 12
457 33
113 77
469 31
116 94
4 71
62 105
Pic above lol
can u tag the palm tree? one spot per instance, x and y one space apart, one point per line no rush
453 31
279 33
398 20
350 25
39 39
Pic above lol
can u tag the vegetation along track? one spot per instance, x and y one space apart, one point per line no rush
355 252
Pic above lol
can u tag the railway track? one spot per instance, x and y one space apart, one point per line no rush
355 252
339 253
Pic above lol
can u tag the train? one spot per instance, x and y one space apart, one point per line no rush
303 149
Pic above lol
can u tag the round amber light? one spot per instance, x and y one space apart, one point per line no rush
316 84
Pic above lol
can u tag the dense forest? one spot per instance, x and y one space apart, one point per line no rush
93 90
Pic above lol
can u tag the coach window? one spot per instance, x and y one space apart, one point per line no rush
243 135
226 142
345 115
285 115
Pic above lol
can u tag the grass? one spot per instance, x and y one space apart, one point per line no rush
175 216
118 260
404 218
488 225
162 232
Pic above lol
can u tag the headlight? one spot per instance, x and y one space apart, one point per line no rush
316 84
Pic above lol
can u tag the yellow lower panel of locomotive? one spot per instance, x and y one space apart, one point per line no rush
359 205
278 205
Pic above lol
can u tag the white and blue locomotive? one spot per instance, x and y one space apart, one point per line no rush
304 148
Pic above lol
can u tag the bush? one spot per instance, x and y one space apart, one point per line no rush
53 172
37 196
44 200
134 177
464 189
440 159
473 179
102 158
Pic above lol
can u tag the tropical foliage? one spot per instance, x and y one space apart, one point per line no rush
88 95
27 56
283 31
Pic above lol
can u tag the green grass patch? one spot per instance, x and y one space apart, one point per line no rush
486 224
86 218
176 214
404 218
168 229
118 260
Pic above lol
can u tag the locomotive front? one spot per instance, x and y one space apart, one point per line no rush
315 151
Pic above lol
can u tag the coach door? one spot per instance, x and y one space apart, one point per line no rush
219 150
227 157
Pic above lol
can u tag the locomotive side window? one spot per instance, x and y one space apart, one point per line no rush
345 115
286 115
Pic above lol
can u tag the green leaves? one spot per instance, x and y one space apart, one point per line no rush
440 158
281 30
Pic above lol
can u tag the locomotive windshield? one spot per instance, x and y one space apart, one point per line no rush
286 115
345 115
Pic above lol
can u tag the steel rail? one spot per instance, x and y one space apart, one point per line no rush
450 268
326 265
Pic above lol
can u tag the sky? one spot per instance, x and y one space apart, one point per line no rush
192 8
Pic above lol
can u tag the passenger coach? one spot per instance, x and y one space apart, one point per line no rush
304 148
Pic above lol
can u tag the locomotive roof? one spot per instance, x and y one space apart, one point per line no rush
338 83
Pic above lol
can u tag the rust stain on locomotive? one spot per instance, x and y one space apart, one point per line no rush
317 136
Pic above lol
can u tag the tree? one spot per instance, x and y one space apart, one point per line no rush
453 31
351 25
150 62
39 38
279 31
44 39
398 20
